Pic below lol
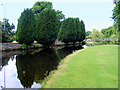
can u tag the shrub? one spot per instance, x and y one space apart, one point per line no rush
23 46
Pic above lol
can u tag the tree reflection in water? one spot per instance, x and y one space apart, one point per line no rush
35 67
25 68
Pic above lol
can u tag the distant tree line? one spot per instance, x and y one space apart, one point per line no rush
110 32
44 24
105 35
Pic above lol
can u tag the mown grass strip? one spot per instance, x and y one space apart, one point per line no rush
94 67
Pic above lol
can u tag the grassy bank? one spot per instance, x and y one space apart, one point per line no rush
94 67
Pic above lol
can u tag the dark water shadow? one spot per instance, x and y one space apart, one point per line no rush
35 67
62 53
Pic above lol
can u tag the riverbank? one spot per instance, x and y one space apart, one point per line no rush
16 46
94 67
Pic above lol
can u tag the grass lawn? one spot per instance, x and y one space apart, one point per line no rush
94 67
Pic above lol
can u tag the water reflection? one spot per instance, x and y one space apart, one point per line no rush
46 61
62 53
25 68
33 67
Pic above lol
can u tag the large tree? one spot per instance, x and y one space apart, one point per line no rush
41 5
72 30
26 27
47 25
68 31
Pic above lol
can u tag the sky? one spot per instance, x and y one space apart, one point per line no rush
96 14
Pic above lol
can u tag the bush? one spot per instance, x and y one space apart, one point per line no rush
23 46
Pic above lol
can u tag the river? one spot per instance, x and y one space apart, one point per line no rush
27 69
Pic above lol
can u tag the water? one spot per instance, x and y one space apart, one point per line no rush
27 69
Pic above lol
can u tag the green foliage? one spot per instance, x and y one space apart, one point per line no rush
36 46
7 30
116 12
116 17
72 30
78 28
89 36
68 31
96 35
108 32
99 43
39 6
23 47
83 34
88 33
60 15
26 27
47 27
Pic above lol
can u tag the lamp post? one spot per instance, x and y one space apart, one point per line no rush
4 29
4 14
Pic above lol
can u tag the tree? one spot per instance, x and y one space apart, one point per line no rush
26 27
72 30
108 32
68 31
78 28
7 30
83 34
60 15
116 16
41 5
96 35
47 25
116 12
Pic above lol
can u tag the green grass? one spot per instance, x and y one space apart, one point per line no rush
94 67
